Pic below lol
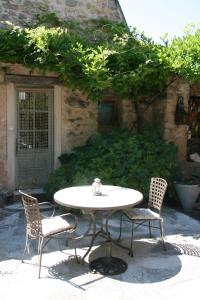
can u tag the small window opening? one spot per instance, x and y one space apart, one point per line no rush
108 114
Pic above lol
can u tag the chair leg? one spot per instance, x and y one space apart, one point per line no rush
150 229
120 229
26 247
131 246
77 260
161 234
40 246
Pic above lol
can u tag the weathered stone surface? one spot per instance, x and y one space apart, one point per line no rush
2 76
128 116
195 89
79 119
76 102
23 11
178 134
3 135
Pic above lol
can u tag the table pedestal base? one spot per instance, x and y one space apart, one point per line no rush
108 265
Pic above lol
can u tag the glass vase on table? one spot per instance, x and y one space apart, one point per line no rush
97 187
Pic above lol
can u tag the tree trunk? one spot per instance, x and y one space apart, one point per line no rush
139 117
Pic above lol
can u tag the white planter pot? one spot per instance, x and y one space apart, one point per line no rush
187 194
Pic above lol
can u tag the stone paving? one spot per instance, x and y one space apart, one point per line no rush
152 273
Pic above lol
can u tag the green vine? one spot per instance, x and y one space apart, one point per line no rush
100 55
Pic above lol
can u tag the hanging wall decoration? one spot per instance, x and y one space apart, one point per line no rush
180 113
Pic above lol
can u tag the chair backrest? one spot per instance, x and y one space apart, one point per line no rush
32 213
158 187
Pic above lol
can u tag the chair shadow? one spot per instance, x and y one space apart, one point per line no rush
76 274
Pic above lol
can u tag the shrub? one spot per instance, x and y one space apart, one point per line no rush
118 158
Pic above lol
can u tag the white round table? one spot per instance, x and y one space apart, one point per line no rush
113 198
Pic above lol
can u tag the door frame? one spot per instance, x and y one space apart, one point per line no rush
12 128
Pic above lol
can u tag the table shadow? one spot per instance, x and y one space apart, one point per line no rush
150 264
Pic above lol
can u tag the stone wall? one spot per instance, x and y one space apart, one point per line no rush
178 134
79 119
3 135
21 12
195 89
128 116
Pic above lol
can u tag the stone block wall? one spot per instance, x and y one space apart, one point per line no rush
79 119
195 89
3 135
178 134
128 116
21 12
17 69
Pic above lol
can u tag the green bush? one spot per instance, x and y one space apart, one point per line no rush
118 158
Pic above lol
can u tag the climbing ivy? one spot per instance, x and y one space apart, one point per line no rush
102 55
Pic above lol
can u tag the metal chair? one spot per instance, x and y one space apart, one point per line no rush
141 216
43 229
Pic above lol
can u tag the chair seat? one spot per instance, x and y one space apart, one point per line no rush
141 214
55 225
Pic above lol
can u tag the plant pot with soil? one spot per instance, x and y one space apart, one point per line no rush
187 187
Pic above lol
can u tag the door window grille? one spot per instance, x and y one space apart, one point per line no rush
33 120
34 147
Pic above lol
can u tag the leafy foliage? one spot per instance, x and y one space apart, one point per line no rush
118 158
100 55
183 54
104 55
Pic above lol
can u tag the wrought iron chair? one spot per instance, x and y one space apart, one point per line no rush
43 229
141 216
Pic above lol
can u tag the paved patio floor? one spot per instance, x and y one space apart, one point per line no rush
152 273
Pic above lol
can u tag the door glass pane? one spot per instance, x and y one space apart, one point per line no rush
41 139
33 119
41 120
26 100
26 120
41 101
25 140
